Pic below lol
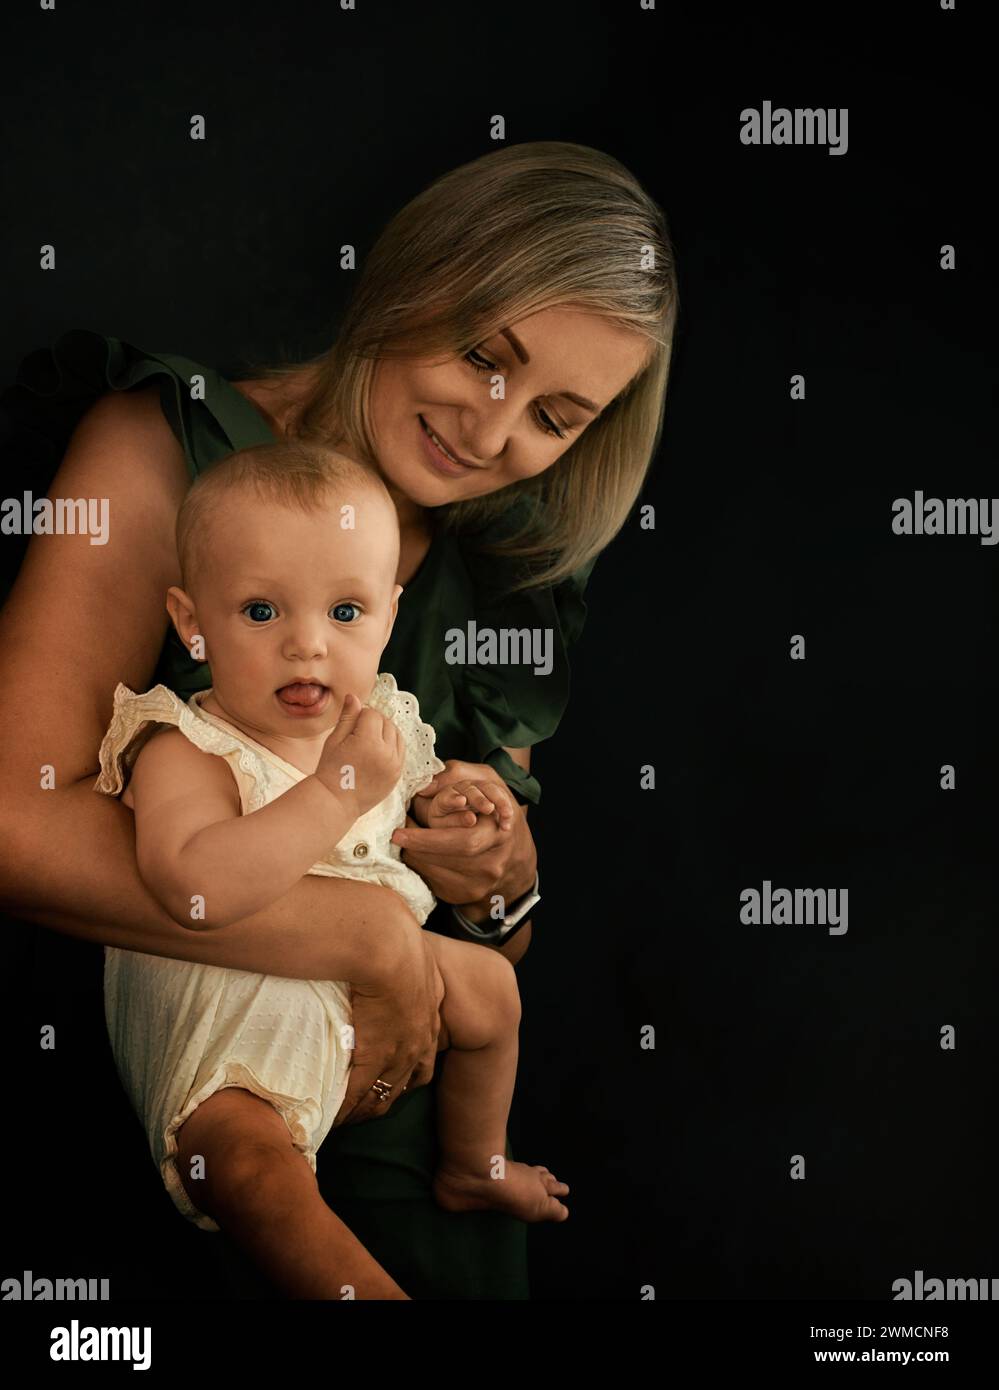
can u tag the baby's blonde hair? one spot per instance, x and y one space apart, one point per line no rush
290 473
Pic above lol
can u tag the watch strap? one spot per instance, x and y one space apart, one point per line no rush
518 913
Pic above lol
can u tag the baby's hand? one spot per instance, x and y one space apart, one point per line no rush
459 807
370 743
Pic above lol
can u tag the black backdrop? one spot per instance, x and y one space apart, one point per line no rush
773 518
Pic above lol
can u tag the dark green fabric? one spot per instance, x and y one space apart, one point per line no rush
376 1175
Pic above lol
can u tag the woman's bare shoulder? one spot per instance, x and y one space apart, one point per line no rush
122 425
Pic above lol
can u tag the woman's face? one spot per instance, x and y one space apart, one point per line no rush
557 371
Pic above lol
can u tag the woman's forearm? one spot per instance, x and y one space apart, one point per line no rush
68 862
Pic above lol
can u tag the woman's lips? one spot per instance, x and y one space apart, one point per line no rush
440 461
303 698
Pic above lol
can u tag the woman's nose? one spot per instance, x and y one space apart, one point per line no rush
487 430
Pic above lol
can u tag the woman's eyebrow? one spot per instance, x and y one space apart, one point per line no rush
524 357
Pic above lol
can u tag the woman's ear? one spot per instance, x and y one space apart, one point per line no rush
180 606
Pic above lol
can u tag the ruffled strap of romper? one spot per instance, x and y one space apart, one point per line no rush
403 708
136 718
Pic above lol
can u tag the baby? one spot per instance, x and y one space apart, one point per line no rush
300 759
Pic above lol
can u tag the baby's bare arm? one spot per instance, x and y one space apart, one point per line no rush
192 842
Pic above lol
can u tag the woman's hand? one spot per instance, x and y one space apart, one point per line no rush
396 1023
467 863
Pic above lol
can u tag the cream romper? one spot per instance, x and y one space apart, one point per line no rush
180 1031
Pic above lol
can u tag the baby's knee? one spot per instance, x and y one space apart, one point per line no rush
499 983
482 1001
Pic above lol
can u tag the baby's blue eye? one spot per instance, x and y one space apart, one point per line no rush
259 612
341 611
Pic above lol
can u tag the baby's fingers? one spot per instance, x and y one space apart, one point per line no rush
450 799
478 800
450 810
499 802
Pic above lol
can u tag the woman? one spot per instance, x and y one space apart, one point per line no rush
503 362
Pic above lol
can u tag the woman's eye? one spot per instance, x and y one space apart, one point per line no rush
258 611
342 611
483 366
551 427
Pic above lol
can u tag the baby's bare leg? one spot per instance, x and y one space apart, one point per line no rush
262 1192
480 1016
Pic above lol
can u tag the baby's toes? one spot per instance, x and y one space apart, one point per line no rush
552 1184
555 1210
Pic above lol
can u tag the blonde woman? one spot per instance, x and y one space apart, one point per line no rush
503 364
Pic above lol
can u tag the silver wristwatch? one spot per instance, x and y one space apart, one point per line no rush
499 930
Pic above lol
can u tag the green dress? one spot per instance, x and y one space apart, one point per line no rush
375 1175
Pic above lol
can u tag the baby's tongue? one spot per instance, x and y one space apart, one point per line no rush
299 694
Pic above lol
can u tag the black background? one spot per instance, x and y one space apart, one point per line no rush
773 517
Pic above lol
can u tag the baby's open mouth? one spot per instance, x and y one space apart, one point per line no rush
304 693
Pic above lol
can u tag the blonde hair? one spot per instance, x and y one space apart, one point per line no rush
529 227
290 473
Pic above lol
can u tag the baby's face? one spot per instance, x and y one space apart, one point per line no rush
296 609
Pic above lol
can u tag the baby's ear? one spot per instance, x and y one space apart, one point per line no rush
180 606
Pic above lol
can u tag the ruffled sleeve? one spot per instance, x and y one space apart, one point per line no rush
135 718
404 709
519 705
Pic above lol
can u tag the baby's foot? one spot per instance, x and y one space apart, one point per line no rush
524 1191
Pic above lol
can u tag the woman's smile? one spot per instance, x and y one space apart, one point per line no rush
440 457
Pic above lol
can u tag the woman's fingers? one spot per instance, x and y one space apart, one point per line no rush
440 844
456 820
396 1029
423 1073
361 1101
